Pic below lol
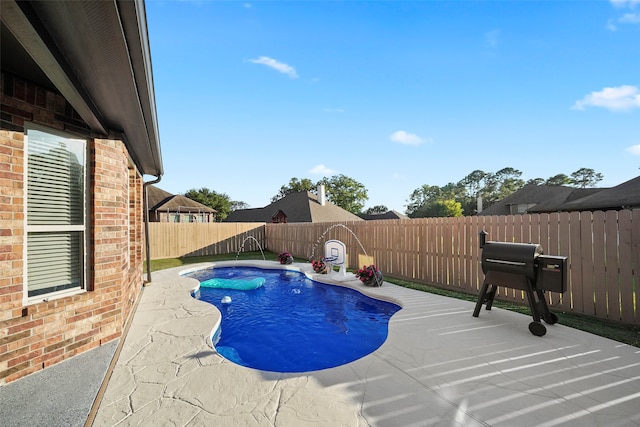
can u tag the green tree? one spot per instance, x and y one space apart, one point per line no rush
536 181
473 183
450 208
490 186
378 209
508 182
585 177
295 185
345 192
433 201
221 202
420 198
560 179
439 208
238 205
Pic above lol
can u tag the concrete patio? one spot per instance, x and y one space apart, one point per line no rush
439 366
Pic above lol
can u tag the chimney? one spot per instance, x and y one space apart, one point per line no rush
479 202
321 196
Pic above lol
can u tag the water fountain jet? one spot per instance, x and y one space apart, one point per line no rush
242 246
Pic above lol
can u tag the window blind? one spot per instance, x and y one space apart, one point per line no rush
54 261
56 180
55 213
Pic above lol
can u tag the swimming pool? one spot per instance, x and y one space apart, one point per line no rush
292 323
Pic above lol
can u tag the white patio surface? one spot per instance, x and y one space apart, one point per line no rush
440 366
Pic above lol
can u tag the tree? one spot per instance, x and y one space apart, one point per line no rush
536 181
378 209
422 197
238 205
439 208
294 186
434 201
345 192
218 201
445 208
431 200
473 185
473 182
585 177
499 185
560 179
508 182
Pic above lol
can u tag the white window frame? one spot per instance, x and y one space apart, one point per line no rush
84 228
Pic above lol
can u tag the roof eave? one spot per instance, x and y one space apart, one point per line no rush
104 72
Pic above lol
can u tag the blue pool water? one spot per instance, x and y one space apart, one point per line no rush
294 324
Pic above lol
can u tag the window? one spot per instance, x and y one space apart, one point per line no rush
520 208
55 214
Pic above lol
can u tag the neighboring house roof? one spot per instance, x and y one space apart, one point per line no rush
96 54
556 203
546 198
248 215
623 196
385 215
160 200
301 206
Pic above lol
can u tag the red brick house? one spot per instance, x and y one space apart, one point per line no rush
78 132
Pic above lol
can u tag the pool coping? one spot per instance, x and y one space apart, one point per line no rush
439 366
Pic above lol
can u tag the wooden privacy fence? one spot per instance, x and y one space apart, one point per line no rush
174 240
603 250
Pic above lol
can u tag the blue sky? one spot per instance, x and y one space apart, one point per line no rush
393 94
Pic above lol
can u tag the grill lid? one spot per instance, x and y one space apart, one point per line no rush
514 258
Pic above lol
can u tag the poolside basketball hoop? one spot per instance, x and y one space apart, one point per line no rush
335 253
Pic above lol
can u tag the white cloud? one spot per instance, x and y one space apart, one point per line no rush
630 18
619 98
492 38
276 65
625 3
634 150
627 18
406 138
322 170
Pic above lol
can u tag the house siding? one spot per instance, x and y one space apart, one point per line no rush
174 217
38 335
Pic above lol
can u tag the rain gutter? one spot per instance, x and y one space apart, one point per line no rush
146 224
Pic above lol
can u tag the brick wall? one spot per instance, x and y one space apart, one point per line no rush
35 336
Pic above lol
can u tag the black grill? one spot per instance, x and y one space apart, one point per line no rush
513 258
522 266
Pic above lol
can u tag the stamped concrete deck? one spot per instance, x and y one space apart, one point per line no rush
439 366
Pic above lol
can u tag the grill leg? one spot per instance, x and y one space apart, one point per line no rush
481 297
491 296
536 327
543 307
485 296
533 305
